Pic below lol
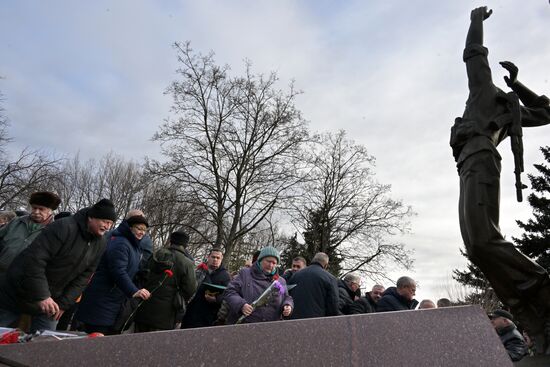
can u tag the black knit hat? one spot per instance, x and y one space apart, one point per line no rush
179 238
137 219
103 209
45 198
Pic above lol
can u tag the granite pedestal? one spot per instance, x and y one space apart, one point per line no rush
457 336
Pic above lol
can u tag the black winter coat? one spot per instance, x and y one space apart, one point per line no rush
346 297
200 312
315 294
393 301
362 305
158 312
57 264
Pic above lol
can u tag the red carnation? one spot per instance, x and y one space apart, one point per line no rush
10 337
202 266
169 273
276 276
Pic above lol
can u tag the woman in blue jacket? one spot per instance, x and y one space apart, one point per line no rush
113 282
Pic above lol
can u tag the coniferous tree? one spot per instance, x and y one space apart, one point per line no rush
535 242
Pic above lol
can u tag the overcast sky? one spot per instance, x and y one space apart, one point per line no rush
89 77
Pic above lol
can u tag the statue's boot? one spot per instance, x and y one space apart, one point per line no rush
533 312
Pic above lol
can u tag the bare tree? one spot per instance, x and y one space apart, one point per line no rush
344 212
167 213
234 145
30 171
4 137
113 177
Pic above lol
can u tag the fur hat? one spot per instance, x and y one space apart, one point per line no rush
269 251
103 209
179 238
45 198
137 219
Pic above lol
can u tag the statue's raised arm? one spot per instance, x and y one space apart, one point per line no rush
475 33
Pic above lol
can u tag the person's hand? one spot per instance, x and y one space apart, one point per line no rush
58 314
209 298
513 70
481 12
287 310
142 293
48 306
246 309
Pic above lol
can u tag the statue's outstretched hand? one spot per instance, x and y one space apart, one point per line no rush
513 70
481 12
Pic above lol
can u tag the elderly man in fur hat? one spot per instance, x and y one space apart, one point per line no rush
21 231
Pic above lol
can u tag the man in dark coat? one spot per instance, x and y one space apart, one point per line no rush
399 298
316 291
204 306
513 341
347 289
158 312
368 303
46 278
298 263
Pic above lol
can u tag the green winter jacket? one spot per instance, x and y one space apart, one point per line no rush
15 237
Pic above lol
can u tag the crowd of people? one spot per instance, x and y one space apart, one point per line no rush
76 272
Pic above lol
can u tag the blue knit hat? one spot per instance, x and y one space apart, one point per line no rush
269 251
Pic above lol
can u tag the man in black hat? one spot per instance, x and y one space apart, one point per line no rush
21 231
513 341
46 278
161 312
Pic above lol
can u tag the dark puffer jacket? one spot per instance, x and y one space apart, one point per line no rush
393 301
57 264
247 286
112 283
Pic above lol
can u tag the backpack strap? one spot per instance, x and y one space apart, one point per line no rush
173 268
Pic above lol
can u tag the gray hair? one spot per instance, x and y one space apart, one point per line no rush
320 258
405 282
352 278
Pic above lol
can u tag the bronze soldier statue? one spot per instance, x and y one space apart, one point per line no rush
489 117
